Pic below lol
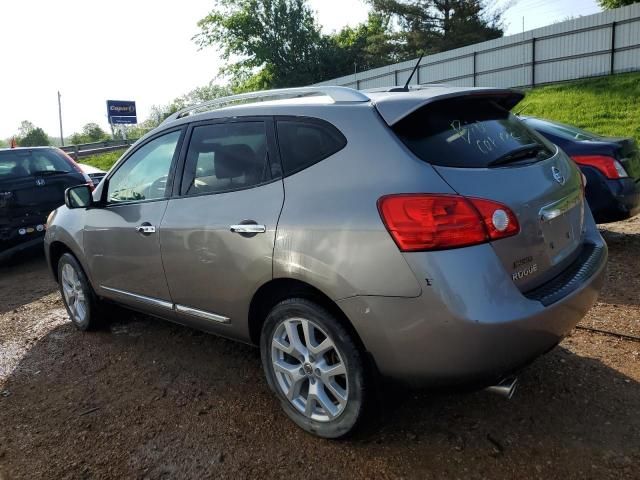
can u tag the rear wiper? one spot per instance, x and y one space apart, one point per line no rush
525 151
42 173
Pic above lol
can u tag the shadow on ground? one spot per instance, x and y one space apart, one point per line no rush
148 399
23 280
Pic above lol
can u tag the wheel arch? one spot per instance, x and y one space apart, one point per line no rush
58 248
279 289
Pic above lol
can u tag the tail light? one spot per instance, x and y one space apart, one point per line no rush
77 168
608 166
419 222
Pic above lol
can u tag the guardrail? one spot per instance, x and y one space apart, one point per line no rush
88 149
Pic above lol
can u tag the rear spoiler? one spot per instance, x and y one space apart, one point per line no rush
395 106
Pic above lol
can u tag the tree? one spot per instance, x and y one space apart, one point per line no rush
432 26
34 138
26 127
198 95
609 4
369 45
91 132
3 144
267 43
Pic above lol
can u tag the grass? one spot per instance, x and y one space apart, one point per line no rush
605 105
103 161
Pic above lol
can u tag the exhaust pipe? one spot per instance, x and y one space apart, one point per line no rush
505 388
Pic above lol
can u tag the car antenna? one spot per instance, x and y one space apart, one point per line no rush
413 72
406 85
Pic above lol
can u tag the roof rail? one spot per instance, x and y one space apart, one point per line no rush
337 94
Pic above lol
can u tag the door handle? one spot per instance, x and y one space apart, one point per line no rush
146 229
248 228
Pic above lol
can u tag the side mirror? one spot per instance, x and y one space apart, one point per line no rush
78 197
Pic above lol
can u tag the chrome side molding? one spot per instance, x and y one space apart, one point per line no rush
156 302
194 312
141 298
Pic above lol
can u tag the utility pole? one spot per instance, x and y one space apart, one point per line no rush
60 117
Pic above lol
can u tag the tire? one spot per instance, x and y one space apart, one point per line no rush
322 400
84 308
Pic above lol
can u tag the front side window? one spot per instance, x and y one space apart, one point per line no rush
143 176
224 157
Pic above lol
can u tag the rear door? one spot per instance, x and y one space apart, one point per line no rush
121 237
217 237
32 184
483 151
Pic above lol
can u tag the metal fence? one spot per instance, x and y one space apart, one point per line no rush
88 149
594 45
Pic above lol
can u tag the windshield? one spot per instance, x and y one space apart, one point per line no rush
561 130
24 163
472 133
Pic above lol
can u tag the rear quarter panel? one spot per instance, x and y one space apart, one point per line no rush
330 233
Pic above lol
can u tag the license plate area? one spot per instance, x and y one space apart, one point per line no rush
561 224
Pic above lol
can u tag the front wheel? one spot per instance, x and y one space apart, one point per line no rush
82 305
314 367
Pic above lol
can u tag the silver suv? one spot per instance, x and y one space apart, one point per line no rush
427 236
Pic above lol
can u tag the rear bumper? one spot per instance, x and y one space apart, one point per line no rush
613 200
475 327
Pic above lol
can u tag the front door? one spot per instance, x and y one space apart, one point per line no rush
218 236
121 237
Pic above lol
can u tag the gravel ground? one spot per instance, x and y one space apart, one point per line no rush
148 399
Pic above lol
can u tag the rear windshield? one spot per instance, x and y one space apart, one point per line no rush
24 163
471 133
568 132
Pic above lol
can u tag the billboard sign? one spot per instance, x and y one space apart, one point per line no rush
121 112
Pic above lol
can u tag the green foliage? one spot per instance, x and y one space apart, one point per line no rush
26 127
369 45
3 144
277 43
276 39
103 160
158 113
432 26
91 132
34 138
609 4
605 105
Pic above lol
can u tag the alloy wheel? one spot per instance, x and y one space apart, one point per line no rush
309 369
74 293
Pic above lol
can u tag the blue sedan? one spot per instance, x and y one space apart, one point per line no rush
610 165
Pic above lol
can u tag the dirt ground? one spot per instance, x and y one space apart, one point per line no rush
148 399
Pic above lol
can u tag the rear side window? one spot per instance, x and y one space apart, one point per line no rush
25 163
223 157
471 133
304 142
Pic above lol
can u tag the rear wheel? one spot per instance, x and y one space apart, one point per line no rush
83 307
314 367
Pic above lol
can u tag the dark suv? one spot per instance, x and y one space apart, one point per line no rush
32 184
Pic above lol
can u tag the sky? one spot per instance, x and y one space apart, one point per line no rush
142 50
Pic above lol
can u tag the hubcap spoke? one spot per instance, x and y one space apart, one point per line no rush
294 340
